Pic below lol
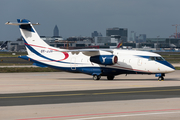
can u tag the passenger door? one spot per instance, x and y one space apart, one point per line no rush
73 63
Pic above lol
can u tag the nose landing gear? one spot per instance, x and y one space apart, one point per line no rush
160 76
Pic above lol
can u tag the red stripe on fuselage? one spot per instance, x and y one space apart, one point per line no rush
65 53
41 47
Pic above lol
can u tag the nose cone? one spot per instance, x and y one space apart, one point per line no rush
170 68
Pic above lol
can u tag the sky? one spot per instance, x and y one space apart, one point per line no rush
82 17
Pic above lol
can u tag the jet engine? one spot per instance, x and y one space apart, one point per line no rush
104 59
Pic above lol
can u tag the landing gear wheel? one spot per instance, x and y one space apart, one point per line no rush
96 77
161 78
110 77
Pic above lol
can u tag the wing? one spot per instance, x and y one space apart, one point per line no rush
94 52
91 52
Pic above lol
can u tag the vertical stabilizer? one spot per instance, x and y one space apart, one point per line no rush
120 44
32 40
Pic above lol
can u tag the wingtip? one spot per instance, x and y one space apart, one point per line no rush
7 23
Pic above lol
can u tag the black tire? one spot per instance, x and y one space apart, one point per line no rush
161 78
96 77
110 77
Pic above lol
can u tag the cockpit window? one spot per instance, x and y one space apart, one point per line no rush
157 58
152 58
160 58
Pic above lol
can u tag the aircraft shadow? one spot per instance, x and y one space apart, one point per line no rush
104 79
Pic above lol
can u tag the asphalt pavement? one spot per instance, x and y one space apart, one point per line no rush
88 96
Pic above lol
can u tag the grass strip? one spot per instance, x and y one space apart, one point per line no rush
177 68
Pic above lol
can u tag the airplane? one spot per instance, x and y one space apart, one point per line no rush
95 62
120 44
4 46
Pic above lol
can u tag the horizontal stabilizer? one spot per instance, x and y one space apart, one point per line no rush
39 65
10 23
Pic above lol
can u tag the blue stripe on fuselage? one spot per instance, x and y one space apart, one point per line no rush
147 57
159 61
104 71
166 64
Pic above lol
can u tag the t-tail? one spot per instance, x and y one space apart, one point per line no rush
34 44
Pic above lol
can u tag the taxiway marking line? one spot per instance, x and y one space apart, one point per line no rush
58 95
85 115
129 115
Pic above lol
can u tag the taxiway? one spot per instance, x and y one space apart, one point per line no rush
61 95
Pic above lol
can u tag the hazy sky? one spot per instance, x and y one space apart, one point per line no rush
82 17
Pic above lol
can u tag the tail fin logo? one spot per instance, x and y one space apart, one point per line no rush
27 27
120 44
24 25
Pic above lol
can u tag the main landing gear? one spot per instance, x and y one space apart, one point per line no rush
98 77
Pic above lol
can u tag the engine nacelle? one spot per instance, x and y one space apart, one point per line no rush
104 59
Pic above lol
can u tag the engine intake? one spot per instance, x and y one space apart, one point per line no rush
104 59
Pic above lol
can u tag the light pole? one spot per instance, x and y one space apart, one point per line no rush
157 42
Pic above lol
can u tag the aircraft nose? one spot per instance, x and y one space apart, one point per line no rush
171 68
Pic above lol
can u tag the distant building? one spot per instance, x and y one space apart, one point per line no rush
102 40
164 42
133 36
16 46
109 41
56 31
49 38
96 34
142 38
123 32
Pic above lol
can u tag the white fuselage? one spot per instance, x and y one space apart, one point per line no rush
128 60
